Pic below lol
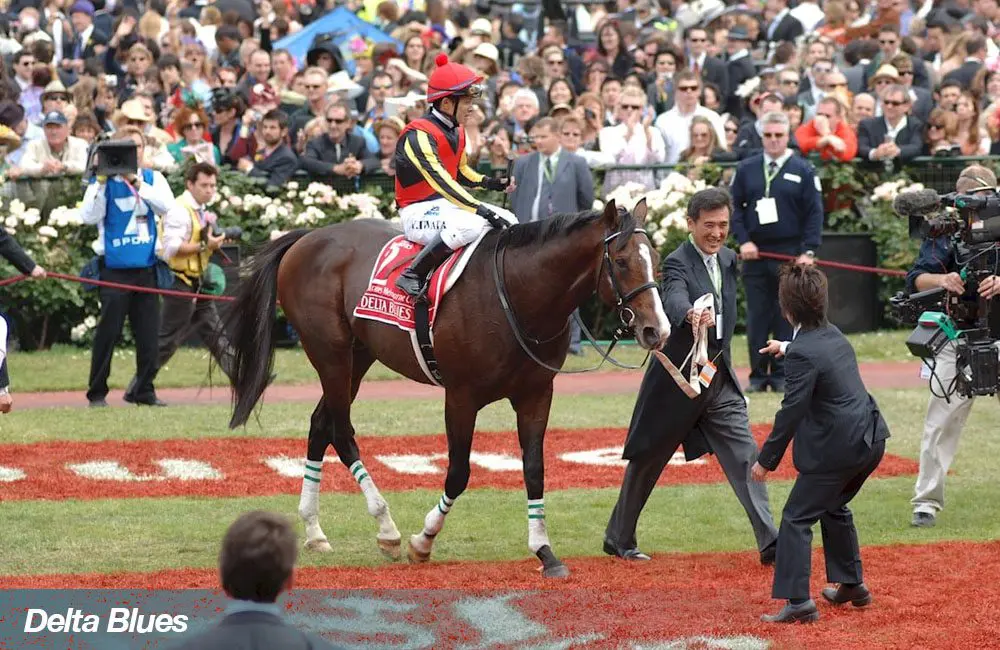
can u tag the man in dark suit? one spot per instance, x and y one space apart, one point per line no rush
86 42
893 139
890 43
777 208
715 420
337 154
275 161
256 564
11 251
921 100
782 25
740 67
550 180
709 68
839 441
749 139
975 56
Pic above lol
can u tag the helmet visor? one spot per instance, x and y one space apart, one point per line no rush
475 91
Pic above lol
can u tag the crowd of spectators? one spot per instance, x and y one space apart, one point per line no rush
630 82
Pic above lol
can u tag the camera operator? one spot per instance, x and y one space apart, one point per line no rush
124 209
938 266
201 238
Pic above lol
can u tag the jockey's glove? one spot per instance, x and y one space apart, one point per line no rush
495 184
491 217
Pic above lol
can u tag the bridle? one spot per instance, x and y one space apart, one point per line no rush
626 316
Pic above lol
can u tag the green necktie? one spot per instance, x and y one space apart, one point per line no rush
713 272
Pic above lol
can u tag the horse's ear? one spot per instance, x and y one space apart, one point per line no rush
611 214
640 212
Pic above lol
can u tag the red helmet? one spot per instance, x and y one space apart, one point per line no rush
451 78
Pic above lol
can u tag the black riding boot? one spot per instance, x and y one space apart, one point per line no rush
413 279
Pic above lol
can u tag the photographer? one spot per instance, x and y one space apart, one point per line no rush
938 266
201 238
124 209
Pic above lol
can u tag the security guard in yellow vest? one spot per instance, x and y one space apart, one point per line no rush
180 315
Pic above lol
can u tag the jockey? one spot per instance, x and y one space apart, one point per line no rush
431 169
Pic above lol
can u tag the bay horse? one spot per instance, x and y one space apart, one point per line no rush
543 271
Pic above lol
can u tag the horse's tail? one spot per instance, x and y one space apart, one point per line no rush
250 323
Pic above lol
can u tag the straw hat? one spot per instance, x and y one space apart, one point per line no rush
884 71
341 82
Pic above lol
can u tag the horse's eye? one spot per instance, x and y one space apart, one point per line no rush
622 263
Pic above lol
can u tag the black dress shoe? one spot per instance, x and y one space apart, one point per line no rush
857 595
632 554
804 613
768 555
156 401
923 520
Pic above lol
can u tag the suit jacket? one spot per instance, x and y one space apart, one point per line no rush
278 167
717 72
855 78
871 133
739 71
788 29
964 73
826 407
251 630
662 411
573 190
322 154
922 105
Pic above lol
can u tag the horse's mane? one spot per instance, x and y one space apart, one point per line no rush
539 233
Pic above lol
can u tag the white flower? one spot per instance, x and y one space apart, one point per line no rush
235 201
16 207
65 216
90 322
10 222
292 194
225 191
224 205
293 185
659 239
78 332
48 231
96 245
677 182
307 201
31 217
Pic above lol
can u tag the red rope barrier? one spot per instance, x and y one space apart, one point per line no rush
838 265
126 287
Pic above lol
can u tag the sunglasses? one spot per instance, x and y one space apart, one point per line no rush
688 89
775 136
838 85
789 82
336 120
630 107
194 125
381 86
892 102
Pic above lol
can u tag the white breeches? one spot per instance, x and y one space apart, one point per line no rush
458 227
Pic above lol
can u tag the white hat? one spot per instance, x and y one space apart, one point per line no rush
341 82
481 26
487 51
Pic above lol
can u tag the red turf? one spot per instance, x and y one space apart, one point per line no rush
930 596
241 462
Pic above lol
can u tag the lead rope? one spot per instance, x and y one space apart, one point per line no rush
697 355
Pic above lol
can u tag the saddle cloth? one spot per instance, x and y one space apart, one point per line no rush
383 302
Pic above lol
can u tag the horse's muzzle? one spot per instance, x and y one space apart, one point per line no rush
652 338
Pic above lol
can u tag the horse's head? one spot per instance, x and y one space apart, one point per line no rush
628 280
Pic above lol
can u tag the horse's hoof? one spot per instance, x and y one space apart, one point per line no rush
319 545
415 555
556 571
390 548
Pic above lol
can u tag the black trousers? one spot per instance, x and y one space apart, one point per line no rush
181 315
822 498
760 278
143 312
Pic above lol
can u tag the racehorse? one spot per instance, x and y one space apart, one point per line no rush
540 271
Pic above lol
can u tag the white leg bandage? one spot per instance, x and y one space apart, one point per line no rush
537 535
309 500
377 506
433 523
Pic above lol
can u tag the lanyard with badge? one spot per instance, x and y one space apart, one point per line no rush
767 208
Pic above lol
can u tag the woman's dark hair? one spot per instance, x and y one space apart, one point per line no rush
566 82
803 294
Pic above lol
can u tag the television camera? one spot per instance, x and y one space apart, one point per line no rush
968 321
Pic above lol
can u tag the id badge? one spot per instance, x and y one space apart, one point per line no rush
767 211
707 373
718 327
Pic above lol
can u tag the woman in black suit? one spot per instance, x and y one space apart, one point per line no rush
839 441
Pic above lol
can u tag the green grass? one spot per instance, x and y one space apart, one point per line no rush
67 368
149 534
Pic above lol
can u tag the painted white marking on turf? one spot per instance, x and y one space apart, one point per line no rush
612 457
413 463
171 468
11 474
496 462
287 466
661 318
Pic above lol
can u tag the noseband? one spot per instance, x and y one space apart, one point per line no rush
626 316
